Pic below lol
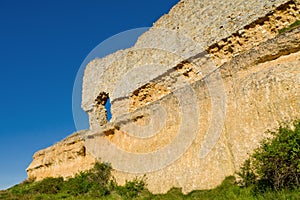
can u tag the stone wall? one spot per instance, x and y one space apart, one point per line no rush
192 98
260 93
220 30
66 158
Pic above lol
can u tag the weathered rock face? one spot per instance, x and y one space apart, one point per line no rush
192 98
62 159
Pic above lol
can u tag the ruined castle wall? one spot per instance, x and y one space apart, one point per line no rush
63 159
260 93
221 30
229 56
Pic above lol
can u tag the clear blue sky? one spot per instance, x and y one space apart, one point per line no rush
42 45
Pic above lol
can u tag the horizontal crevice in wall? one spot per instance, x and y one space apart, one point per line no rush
255 33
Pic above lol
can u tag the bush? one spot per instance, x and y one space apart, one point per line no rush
247 174
276 164
80 184
100 175
94 181
48 186
131 189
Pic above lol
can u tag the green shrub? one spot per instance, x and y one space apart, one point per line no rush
247 174
78 185
277 162
19 190
48 186
94 181
100 175
131 189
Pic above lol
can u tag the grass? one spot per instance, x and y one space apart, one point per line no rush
291 27
228 190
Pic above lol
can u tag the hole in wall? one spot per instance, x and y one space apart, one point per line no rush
103 108
108 109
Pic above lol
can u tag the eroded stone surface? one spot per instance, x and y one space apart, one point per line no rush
218 30
64 158
167 90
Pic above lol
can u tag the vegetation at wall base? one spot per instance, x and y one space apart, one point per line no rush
272 172
228 190
275 165
96 183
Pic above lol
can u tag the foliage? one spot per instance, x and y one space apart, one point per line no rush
131 189
80 184
247 174
276 163
101 176
94 181
292 26
228 190
48 186
91 184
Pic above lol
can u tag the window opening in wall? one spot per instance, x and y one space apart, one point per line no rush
108 109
